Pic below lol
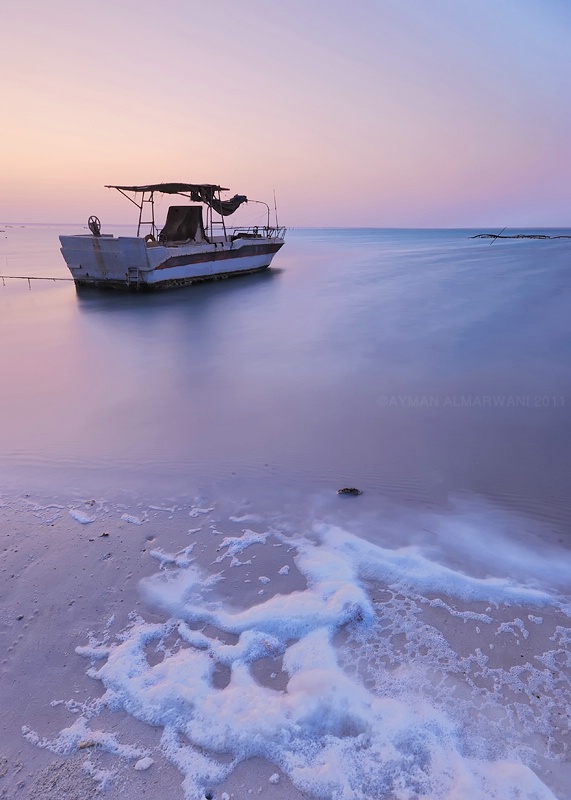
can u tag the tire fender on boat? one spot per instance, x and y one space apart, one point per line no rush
150 238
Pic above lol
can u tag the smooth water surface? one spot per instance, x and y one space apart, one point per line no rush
414 364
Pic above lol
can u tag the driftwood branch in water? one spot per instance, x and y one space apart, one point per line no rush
518 236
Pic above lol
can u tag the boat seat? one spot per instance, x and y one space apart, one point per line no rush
183 224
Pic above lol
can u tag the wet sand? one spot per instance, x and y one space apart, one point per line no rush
65 578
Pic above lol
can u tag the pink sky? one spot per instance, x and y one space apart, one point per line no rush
376 112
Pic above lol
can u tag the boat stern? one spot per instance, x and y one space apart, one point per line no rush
105 260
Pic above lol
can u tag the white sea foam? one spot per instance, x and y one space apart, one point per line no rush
196 510
181 559
79 736
410 568
397 712
492 543
45 513
236 544
132 519
104 777
81 516
144 763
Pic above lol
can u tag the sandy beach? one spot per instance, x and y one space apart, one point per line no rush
79 575
65 578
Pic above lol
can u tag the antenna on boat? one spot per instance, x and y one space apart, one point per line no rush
276 209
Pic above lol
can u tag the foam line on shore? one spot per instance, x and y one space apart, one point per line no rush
337 730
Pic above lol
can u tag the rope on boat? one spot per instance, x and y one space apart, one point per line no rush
29 278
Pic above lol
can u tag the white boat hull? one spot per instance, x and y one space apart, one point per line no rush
130 262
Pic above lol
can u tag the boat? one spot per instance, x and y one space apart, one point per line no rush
185 250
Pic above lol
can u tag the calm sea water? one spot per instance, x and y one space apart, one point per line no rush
414 364
430 370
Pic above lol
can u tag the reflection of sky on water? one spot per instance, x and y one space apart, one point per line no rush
317 368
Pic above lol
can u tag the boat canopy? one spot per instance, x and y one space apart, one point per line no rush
198 193
172 188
